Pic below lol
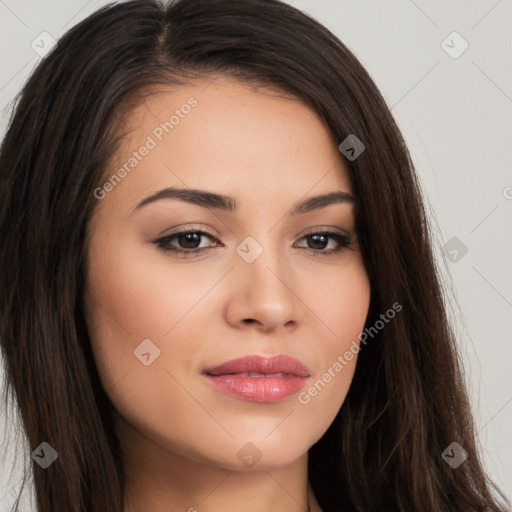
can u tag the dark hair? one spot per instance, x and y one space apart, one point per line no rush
407 401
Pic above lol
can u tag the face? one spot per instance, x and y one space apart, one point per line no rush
256 281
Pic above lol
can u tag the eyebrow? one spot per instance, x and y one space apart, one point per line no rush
229 204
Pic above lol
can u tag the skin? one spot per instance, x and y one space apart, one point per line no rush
179 434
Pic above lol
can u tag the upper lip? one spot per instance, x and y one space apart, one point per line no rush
261 364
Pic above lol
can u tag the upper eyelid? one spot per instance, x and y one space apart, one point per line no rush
311 231
202 231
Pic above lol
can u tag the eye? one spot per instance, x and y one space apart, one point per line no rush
318 241
188 243
189 240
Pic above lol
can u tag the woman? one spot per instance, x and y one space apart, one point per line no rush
219 290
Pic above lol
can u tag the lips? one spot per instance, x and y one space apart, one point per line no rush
258 378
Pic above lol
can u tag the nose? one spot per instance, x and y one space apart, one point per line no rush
262 294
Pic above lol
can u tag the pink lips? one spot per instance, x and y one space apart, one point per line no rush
258 378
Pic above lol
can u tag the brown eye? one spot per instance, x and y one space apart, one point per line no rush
184 242
189 240
317 242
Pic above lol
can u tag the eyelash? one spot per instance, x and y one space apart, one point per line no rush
163 243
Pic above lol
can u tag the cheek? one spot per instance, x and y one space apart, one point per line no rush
138 293
129 300
344 316
338 302
135 294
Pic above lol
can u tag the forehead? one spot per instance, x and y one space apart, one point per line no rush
223 136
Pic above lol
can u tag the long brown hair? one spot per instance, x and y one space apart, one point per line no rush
407 401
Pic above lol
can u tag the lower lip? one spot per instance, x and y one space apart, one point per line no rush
258 389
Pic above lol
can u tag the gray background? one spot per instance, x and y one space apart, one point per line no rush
455 113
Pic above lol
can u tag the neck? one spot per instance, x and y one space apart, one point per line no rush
162 480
